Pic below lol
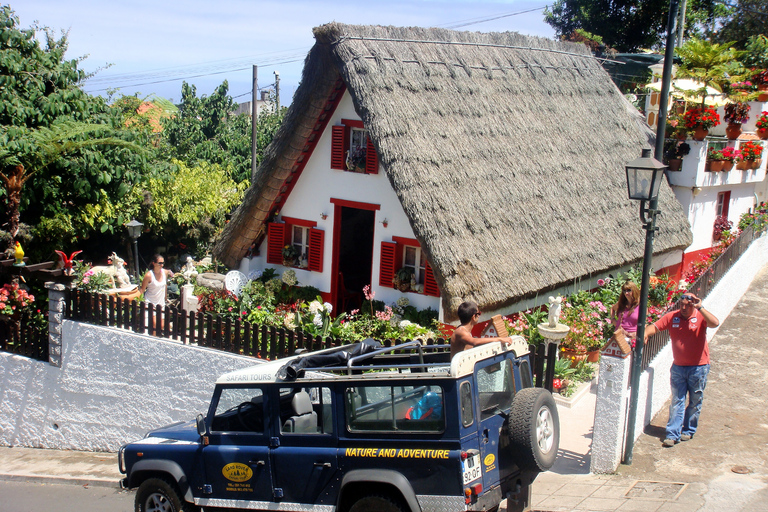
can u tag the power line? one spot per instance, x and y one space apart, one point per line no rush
475 21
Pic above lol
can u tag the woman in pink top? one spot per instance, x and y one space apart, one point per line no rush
625 312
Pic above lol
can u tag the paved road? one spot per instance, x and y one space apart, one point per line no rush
38 497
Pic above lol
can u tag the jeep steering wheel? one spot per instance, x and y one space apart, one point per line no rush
249 425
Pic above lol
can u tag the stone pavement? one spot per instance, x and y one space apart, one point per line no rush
724 468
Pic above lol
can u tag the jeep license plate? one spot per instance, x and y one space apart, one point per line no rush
472 470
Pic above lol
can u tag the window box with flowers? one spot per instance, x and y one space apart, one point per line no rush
715 160
352 149
730 154
750 155
761 125
700 120
760 79
744 88
735 114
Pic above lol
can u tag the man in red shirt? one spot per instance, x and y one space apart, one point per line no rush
688 376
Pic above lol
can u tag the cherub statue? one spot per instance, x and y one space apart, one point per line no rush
555 304
188 270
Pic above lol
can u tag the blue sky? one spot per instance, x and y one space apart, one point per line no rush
153 45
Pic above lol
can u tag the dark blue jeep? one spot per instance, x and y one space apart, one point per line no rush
357 429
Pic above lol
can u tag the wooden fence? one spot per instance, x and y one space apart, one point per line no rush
20 336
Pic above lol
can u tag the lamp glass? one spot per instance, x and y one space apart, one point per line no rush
644 177
134 229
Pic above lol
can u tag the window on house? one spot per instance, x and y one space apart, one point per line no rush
413 258
300 242
351 148
723 202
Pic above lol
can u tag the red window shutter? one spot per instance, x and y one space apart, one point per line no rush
387 270
316 245
726 202
338 147
371 158
430 285
276 239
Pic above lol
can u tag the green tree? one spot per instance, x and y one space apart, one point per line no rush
711 64
629 25
53 131
746 19
190 203
205 130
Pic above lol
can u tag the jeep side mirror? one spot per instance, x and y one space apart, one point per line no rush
201 425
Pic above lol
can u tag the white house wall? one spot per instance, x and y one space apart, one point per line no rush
311 198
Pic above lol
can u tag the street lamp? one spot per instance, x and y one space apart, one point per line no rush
134 231
644 177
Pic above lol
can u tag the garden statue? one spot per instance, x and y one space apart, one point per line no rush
188 270
67 262
18 253
555 305
115 271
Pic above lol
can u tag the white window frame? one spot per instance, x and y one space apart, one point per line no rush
419 265
358 138
302 244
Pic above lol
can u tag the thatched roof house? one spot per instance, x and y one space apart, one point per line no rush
506 152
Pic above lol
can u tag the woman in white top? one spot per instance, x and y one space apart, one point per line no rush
154 286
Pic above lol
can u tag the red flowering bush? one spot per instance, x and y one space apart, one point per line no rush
721 224
706 118
737 112
13 299
751 150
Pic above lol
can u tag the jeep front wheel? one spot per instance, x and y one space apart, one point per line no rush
376 503
534 430
157 495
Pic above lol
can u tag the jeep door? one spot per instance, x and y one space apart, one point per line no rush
304 459
495 385
237 465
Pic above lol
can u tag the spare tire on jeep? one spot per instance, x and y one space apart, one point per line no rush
534 429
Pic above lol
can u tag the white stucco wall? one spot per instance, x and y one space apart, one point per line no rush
113 386
311 197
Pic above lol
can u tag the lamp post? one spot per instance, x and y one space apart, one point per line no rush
134 231
644 177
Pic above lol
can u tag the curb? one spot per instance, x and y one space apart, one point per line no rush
94 482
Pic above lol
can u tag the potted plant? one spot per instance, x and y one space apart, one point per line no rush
730 155
674 152
356 159
700 120
676 126
402 280
290 253
736 114
750 154
761 125
715 160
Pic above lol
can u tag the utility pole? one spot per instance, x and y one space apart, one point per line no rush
254 122
681 24
277 92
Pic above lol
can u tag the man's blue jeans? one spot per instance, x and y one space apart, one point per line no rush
686 381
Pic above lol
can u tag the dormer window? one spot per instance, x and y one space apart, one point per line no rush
352 149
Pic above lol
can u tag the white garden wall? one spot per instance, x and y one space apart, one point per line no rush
112 387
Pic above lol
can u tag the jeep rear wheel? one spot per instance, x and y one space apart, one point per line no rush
376 503
534 430
158 495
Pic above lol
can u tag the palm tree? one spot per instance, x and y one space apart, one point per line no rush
25 151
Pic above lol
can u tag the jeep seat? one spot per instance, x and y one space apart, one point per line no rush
304 418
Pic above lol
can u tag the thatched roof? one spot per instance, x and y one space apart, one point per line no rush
507 153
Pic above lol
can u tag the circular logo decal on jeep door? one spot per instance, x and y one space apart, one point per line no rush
489 460
237 472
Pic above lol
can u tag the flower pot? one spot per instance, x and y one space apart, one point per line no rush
732 131
404 286
681 135
574 356
754 164
743 165
727 165
675 164
700 133
762 133
593 356
763 96
716 165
